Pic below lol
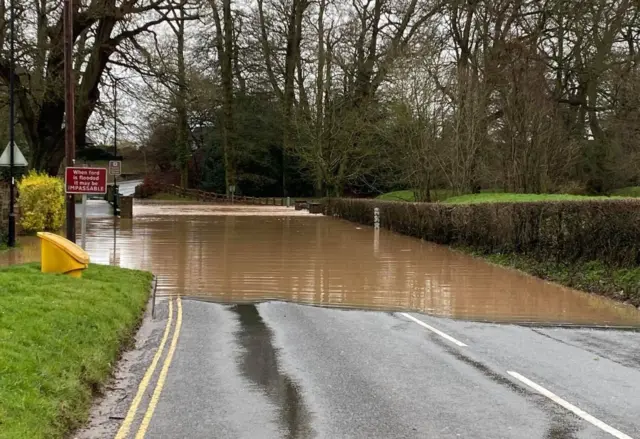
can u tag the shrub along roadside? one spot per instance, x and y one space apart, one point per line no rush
621 284
59 339
41 202
565 241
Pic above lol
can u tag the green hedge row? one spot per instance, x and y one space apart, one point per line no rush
607 230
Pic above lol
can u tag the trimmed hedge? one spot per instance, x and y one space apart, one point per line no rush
569 231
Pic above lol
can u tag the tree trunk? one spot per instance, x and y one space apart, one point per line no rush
224 46
289 72
183 123
287 95
227 86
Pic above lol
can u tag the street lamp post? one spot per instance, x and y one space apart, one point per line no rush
12 133
115 144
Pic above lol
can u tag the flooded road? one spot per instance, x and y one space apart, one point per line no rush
247 254
247 366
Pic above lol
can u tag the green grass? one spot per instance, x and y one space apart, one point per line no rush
631 191
490 197
409 195
59 340
406 195
622 284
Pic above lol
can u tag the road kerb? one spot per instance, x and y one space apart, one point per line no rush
131 414
163 376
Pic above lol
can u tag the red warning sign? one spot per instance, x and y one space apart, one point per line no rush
86 180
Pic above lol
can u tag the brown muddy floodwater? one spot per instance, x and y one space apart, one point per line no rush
246 254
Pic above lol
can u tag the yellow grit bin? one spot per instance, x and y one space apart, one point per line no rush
59 255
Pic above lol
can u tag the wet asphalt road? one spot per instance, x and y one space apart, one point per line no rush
98 207
280 370
128 187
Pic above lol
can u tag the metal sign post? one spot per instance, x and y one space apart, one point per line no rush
83 227
115 149
83 221
115 170
85 181
232 190
12 157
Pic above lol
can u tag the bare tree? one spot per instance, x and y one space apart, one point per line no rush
521 95
101 29
224 41
293 13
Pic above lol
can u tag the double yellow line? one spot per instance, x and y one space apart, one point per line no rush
125 428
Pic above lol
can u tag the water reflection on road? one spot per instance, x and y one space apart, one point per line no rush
234 254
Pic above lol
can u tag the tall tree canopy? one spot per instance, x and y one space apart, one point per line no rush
104 32
355 96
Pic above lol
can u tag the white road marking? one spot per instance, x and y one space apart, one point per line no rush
572 408
434 330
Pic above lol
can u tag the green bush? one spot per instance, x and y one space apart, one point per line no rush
567 231
41 202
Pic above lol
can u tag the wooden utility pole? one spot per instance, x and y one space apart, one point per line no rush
70 123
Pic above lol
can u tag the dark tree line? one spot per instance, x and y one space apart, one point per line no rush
332 97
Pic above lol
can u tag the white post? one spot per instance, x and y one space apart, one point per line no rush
288 201
232 190
376 241
84 221
376 218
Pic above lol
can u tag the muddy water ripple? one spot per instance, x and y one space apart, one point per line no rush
244 255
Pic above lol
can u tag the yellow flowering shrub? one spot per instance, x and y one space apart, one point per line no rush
41 202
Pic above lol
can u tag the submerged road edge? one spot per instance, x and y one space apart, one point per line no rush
434 330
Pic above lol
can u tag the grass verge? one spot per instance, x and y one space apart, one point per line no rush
409 195
406 195
490 196
59 340
621 284
496 197
631 191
